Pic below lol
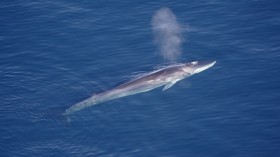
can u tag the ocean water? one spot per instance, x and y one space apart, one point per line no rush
56 53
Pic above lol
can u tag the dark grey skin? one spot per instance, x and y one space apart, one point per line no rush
163 77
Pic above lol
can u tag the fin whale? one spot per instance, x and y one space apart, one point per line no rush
166 77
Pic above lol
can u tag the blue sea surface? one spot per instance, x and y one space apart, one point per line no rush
56 53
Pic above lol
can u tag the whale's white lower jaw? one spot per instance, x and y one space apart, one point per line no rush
200 69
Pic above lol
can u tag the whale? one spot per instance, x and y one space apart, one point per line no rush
167 77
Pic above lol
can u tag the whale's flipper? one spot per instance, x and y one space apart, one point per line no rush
168 86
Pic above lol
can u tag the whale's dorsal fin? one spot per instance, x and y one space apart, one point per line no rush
168 86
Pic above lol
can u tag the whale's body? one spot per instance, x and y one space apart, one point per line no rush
163 77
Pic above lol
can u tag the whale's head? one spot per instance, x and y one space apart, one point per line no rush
198 66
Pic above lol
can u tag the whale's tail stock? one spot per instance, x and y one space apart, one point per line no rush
79 106
76 107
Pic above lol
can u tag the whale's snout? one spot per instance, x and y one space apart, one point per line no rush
203 65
